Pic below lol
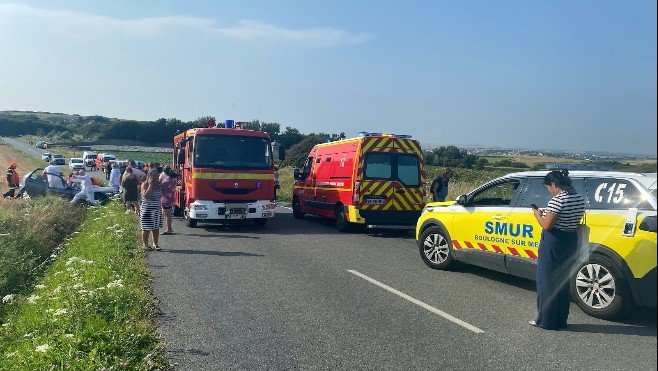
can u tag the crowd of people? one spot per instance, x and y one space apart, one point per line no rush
148 192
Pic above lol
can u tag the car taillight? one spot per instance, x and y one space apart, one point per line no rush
355 197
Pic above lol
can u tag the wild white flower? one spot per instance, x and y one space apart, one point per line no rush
8 298
77 285
72 260
28 335
68 336
40 287
57 273
116 283
33 299
70 269
86 261
57 290
43 348
82 292
9 355
60 312
7 324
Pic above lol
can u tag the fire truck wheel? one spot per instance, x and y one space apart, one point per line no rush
341 221
190 222
260 222
296 209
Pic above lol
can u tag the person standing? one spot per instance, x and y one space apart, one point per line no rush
557 250
168 184
86 188
54 175
115 177
150 217
130 185
439 187
12 180
107 169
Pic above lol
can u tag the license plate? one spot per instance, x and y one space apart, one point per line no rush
235 216
237 211
374 200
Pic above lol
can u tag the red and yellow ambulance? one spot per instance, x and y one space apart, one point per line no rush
376 180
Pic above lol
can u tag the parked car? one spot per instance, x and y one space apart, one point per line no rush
46 156
76 163
57 159
493 227
34 185
41 144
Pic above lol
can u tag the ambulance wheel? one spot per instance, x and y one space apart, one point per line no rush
296 209
190 222
260 222
341 221
600 289
434 247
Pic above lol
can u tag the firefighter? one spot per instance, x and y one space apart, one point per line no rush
12 180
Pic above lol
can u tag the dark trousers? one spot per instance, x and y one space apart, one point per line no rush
557 252
10 192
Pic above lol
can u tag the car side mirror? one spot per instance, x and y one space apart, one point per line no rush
296 174
648 224
461 200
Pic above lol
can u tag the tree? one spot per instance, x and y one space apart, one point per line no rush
296 154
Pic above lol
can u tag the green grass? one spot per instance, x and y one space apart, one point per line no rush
162 158
91 309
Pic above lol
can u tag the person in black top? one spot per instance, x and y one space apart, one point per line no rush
439 187
557 250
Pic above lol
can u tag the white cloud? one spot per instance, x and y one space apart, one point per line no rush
86 26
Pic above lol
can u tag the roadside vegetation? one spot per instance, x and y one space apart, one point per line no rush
75 289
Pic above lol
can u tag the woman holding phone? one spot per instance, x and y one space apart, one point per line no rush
150 217
557 250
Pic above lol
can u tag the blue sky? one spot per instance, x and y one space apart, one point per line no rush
572 75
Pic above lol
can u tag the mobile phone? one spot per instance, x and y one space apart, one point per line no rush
534 206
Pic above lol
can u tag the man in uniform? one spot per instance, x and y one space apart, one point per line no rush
12 180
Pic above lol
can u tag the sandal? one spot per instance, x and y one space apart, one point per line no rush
147 248
157 248
168 233
533 323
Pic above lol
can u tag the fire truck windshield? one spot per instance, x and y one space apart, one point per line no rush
232 152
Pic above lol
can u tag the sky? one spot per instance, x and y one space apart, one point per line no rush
563 75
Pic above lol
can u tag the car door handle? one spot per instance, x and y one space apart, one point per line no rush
499 217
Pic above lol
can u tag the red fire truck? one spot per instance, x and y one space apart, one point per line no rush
227 175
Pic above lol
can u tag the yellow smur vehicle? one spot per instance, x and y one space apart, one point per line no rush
493 227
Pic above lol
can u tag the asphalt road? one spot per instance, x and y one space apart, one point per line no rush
297 294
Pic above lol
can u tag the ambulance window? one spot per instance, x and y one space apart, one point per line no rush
378 166
307 166
318 160
500 194
613 193
408 170
328 159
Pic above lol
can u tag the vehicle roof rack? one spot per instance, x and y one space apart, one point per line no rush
370 134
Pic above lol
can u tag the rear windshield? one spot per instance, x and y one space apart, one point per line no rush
390 166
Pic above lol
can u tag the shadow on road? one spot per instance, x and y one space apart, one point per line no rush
640 330
214 253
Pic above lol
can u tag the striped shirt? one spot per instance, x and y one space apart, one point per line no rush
569 208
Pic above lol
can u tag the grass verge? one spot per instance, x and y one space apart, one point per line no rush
91 310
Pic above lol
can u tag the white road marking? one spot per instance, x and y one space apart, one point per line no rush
418 302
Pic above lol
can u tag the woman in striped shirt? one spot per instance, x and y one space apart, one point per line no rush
557 250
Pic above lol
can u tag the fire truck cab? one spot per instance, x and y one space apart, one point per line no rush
376 180
227 175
